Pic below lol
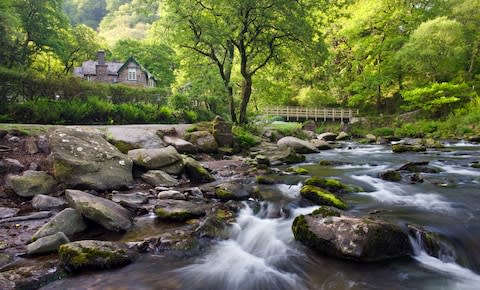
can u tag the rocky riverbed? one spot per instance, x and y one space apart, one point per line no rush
78 200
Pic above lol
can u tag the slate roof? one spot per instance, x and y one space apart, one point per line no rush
88 68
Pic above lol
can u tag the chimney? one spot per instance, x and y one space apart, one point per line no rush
101 57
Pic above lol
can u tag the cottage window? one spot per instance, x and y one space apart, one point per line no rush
132 74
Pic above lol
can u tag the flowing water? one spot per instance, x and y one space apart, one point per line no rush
262 254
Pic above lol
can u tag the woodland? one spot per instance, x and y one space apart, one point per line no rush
413 65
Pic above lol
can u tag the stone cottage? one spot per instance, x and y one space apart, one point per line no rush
129 72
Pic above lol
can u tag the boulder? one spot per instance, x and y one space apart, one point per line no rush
47 244
31 183
203 141
297 170
286 155
361 239
332 185
390 175
7 212
309 125
262 160
130 198
178 210
371 138
31 146
171 194
234 190
342 136
222 132
327 136
90 254
321 144
159 178
421 166
126 139
322 196
400 148
299 145
196 172
69 221
262 179
181 145
85 159
9 165
309 134
45 202
102 211
175 168
154 158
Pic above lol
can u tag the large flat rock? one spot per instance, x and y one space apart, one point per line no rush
84 159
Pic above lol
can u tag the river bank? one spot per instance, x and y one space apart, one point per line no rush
243 220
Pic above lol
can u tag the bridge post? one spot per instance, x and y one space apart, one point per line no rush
324 114
288 117
316 114
298 109
349 115
341 115
333 114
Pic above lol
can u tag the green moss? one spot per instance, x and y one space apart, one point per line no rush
223 214
325 211
298 170
62 170
391 175
322 196
77 257
123 147
325 163
475 165
262 179
224 194
330 184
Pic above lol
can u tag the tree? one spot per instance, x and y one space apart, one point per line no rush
157 57
41 25
257 30
435 50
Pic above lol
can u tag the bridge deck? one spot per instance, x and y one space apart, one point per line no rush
312 113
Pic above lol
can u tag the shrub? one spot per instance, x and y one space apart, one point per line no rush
244 137
384 131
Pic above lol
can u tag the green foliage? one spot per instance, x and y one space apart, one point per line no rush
245 137
439 99
384 131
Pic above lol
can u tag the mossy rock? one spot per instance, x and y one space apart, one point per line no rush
297 170
326 211
224 194
322 197
178 210
401 148
232 191
262 179
390 175
331 185
476 165
196 172
91 254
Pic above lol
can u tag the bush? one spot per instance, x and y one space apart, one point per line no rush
384 131
244 137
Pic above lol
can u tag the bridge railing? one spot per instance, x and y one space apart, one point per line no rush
316 114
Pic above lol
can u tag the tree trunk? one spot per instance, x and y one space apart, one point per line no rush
246 93
233 114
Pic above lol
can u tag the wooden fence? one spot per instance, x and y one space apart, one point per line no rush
302 113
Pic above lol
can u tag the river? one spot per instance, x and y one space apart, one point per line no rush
261 252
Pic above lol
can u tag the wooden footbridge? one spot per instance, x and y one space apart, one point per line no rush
317 114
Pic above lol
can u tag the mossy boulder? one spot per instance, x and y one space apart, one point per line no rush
321 144
262 179
178 210
222 132
204 141
359 239
181 145
89 254
322 196
297 170
431 242
287 155
390 175
31 183
83 158
332 185
421 166
234 190
401 148
196 172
